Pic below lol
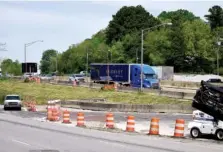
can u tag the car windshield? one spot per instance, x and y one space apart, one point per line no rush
12 98
150 76
215 80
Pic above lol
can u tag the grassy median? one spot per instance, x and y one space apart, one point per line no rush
44 92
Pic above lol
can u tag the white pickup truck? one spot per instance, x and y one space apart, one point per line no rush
12 101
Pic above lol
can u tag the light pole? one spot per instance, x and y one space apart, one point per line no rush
142 35
219 44
87 64
56 62
26 45
108 65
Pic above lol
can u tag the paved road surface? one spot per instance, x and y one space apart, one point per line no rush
100 115
23 135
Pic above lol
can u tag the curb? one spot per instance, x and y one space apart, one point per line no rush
117 107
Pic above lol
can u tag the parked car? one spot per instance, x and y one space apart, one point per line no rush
12 101
27 75
47 77
214 80
77 78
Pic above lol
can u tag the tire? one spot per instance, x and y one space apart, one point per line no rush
219 134
20 108
5 108
195 133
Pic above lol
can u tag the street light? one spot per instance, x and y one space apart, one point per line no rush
142 34
56 62
26 45
219 44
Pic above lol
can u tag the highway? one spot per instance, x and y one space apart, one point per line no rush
20 134
96 119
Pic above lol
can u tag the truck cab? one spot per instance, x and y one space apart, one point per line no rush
150 79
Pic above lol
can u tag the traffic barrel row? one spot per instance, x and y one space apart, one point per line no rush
130 126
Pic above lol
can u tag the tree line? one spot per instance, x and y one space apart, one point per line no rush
190 44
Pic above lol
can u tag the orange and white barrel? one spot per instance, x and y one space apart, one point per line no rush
55 115
66 117
179 128
49 112
154 126
80 119
109 120
130 127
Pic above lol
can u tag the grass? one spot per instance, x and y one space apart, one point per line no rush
44 92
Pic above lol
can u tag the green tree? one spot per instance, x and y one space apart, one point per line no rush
10 67
185 15
128 19
47 63
199 49
215 16
157 46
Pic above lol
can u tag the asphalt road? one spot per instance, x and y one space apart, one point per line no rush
100 115
26 135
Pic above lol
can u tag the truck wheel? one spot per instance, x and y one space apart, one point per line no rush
195 133
219 134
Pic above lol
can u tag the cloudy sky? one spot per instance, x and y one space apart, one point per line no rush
62 23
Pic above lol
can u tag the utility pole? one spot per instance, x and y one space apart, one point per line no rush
142 34
56 61
219 44
87 64
108 66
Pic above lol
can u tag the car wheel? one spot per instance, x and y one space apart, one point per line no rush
195 133
5 108
20 108
219 134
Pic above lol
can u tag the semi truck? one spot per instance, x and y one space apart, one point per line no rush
124 74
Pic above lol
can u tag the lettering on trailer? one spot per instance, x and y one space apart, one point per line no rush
114 72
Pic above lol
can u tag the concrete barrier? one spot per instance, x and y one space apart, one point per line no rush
118 107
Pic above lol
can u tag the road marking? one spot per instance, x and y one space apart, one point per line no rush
21 142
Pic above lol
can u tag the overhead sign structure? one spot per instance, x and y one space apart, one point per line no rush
29 67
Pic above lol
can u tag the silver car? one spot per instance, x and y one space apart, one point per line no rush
12 101
77 78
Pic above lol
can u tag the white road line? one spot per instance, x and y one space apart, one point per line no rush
21 142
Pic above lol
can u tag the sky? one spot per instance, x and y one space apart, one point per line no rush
62 23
